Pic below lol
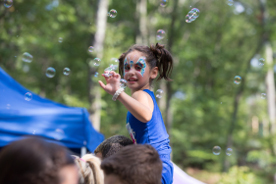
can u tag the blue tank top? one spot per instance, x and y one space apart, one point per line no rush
153 132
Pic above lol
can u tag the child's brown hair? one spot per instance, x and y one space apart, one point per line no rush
135 164
156 56
112 145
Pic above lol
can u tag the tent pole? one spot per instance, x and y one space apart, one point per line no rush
83 151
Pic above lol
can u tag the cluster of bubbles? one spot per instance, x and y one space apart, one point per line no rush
192 15
51 72
263 96
237 79
163 3
159 93
217 150
114 62
60 39
160 34
230 2
8 3
112 13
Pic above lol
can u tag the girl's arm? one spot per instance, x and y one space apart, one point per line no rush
138 105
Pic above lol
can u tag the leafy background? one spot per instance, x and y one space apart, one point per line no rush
205 107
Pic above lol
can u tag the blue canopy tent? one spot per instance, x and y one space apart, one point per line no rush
65 125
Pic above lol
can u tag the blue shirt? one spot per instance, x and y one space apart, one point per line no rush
154 133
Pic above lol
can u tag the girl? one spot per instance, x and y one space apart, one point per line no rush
139 66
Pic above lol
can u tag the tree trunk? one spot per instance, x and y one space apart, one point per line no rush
165 105
95 93
270 87
141 14
270 92
240 90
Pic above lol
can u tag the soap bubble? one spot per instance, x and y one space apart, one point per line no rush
192 15
28 96
59 134
114 61
110 69
263 96
261 62
229 151
90 49
96 62
195 12
159 93
160 34
123 83
96 74
230 2
216 150
8 3
66 71
27 57
50 72
237 79
112 13
34 132
163 3
8 106
60 40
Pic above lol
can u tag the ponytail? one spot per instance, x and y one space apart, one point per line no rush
164 61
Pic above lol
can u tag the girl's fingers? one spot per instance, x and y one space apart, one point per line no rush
102 84
114 74
106 77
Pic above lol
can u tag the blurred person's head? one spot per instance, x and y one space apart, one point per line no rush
89 168
112 145
35 161
134 164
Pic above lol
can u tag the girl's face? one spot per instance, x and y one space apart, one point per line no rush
137 71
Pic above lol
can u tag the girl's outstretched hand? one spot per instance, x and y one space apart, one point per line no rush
112 82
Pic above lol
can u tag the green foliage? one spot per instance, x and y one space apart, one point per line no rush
240 175
208 53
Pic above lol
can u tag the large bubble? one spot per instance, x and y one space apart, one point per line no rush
160 34
216 150
163 3
123 83
8 3
90 49
159 93
237 79
229 151
192 15
50 72
112 13
27 57
28 96
66 71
